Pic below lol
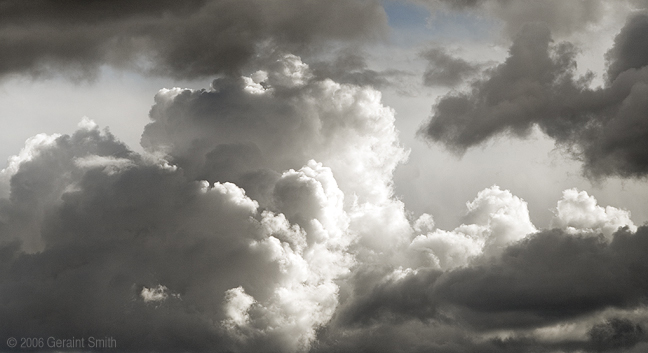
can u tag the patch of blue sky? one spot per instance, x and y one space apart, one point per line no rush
413 24
401 14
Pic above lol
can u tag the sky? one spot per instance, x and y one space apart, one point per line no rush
324 176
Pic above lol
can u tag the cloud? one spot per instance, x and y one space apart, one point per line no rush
110 242
446 70
32 147
100 240
625 54
550 277
537 86
262 215
516 94
496 219
183 40
237 306
146 248
351 67
563 17
578 213
549 281
539 290
155 294
297 117
616 334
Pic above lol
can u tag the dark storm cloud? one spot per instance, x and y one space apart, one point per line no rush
446 70
522 90
629 51
615 334
415 336
181 39
547 278
102 242
606 128
550 278
392 300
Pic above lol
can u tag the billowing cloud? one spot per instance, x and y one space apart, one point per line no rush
496 219
262 216
550 282
111 240
241 129
578 212
241 133
545 291
115 241
184 40
537 86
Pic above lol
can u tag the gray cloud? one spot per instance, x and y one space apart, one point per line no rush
446 70
106 236
415 336
627 52
262 216
111 224
99 240
517 93
380 301
537 85
547 278
227 133
350 66
551 278
183 40
163 253
563 17
616 334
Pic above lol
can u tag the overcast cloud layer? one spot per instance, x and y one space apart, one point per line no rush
261 215
185 39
